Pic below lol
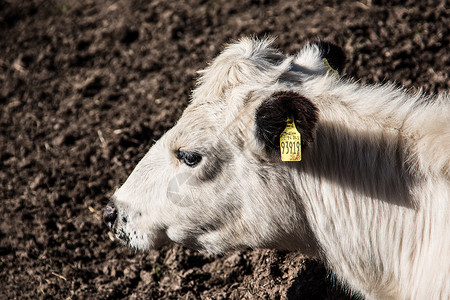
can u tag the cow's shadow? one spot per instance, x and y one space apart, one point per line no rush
315 282
377 166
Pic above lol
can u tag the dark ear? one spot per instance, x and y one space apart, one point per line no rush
271 118
334 54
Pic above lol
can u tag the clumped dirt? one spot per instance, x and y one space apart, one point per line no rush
87 86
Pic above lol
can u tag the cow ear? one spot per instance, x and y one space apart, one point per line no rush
334 55
272 115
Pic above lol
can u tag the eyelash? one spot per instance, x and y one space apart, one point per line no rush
190 159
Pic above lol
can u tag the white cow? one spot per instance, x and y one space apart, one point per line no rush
371 195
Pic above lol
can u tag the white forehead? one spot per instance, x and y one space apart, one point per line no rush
230 89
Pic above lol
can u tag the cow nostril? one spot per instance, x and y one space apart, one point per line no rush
110 215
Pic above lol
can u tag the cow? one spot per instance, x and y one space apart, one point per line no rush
368 191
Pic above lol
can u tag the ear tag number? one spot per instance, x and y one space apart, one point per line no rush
290 142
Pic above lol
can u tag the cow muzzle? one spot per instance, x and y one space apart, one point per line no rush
110 215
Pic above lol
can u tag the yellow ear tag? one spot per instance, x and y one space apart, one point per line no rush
290 142
330 68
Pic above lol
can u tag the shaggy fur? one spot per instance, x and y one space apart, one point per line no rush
371 196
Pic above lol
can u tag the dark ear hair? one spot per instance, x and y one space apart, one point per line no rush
272 115
334 55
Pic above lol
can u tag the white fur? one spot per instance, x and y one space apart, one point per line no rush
371 196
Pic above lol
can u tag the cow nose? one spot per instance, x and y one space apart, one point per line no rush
110 215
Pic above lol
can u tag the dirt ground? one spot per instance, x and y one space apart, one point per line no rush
85 88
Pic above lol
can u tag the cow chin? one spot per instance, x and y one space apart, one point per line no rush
141 241
131 235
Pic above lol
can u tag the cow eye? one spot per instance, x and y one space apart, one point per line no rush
189 158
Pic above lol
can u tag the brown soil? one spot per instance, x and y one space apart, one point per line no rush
85 88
